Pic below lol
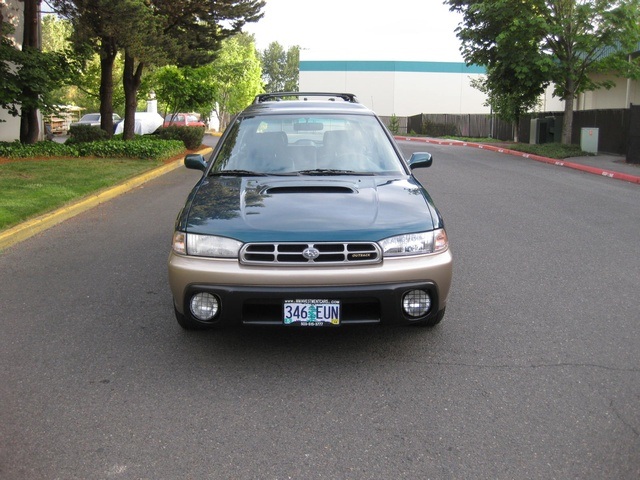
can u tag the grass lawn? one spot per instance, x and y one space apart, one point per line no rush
33 187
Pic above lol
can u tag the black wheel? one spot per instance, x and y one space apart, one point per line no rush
432 322
188 323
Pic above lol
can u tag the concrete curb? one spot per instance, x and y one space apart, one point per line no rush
38 224
551 161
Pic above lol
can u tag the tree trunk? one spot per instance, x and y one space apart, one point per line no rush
131 81
108 53
567 124
29 122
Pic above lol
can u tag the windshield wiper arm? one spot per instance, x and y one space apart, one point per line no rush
237 173
330 171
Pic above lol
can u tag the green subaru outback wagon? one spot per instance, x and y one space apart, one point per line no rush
308 215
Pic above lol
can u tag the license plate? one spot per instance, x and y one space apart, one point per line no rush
312 312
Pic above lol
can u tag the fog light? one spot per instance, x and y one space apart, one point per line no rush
416 303
204 306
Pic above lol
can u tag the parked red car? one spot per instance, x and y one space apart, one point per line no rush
182 120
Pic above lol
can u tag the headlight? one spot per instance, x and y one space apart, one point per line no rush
415 243
205 245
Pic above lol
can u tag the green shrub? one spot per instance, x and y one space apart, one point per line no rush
146 147
39 149
86 133
439 129
190 136
394 124
140 147
550 150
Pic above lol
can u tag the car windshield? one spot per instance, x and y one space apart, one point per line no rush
91 117
308 145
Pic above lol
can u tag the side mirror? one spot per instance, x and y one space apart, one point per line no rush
420 160
195 161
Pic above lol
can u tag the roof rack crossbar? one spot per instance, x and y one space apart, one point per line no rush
347 97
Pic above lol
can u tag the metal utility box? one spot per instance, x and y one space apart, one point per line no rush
589 139
542 130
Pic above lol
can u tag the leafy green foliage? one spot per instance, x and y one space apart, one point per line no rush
394 124
527 45
84 90
56 34
151 32
435 129
280 69
9 87
141 148
29 76
194 29
185 89
550 150
85 133
36 150
236 75
190 136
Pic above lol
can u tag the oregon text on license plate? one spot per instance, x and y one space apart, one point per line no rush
311 312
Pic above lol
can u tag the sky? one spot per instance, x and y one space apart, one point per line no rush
412 30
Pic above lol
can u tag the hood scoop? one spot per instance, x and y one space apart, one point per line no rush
276 190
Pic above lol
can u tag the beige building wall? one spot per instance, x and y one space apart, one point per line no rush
624 93
13 12
400 88
411 88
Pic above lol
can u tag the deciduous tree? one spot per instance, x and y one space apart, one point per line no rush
185 89
186 32
29 75
236 76
280 68
101 25
531 43
189 32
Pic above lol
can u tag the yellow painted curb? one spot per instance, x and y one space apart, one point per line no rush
38 224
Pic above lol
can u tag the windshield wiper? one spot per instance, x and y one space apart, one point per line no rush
331 171
237 173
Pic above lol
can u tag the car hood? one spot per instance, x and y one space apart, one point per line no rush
362 208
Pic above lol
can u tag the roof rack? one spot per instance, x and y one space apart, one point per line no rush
277 96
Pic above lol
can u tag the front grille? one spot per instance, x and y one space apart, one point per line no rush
305 254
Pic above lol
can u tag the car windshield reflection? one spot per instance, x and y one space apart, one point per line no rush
318 145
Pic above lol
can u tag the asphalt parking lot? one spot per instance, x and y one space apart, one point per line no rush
534 372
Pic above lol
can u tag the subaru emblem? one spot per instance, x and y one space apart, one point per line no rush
310 253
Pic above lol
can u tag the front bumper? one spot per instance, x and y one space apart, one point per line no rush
255 294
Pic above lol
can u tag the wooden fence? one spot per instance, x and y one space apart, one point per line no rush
618 134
